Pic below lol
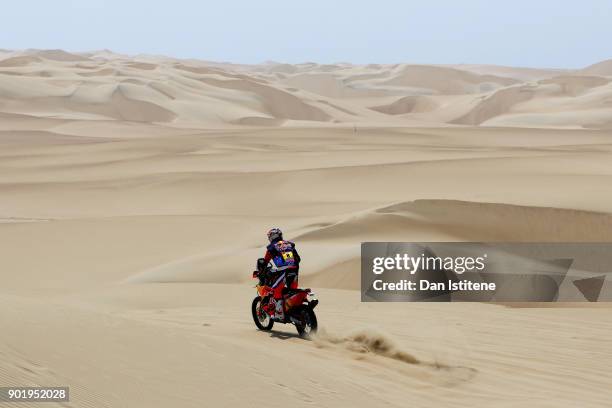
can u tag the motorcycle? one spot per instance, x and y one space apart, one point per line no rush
298 304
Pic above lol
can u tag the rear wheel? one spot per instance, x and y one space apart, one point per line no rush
261 317
307 325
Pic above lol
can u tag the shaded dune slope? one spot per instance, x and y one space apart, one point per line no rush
455 220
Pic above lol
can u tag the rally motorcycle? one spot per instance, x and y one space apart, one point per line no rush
298 304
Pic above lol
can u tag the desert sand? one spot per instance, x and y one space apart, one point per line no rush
135 193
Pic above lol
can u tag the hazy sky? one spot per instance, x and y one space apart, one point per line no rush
542 33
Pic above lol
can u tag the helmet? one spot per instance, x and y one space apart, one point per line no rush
275 233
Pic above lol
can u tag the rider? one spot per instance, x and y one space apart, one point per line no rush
286 262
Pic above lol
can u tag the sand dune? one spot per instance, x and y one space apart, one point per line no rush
57 55
447 81
496 104
522 74
407 104
455 221
576 85
603 68
136 192
19 61
274 94
469 221
566 101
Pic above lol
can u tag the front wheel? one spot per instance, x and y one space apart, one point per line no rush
261 317
307 324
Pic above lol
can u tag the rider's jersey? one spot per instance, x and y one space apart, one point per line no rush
283 255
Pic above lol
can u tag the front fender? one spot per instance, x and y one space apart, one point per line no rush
312 300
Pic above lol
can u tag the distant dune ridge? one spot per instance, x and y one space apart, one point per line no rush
55 83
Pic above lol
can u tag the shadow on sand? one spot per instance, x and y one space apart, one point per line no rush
284 335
